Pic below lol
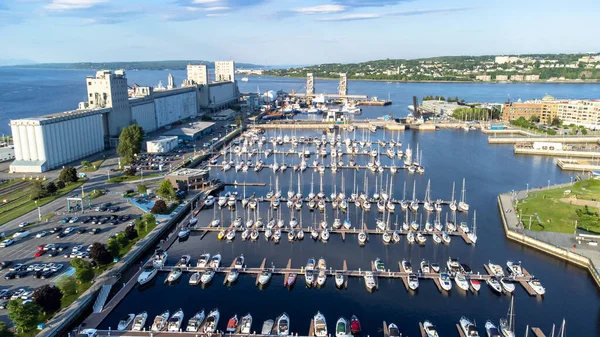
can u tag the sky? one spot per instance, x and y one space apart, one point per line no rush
279 32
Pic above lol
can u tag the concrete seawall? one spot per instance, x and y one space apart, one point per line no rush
557 153
514 140
582 261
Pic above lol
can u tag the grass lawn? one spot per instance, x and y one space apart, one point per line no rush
25 205
556 215
95 165
141 234
124 178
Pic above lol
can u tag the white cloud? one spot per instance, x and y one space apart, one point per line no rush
214 9
216 14
321 9
199 2
73 4
352 17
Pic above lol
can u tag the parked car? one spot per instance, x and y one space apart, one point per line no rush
69 230
73 220
21 234
5 264
41 234
39 253
65 220
61 235
7 243
23 224
85 220
95 231
10 275
17 267
21 273
56 230
41 247
82 230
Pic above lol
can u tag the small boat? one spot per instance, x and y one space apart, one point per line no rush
491 330
173 276
393 330
410 237
184 261
445 282
475 284
468 328
203 260
267 327
515 268
125 321
221 235
341 327
324 235
230 235
300 235
291 279
435 267
215 223
387 237
283 325
232 324
265 277
195 322
232 275
430 329
507 324
309 277
413 282
159 259
147 275
436 238
184 233
354 326
340 279
362 237
245 234
496 269
537 286
254 235
425 269
211 321
461 281
446 238
494 284
420 238
507 285
215 261
320 325
160 321
321 278
195 278
406 266
464 227
239 262
207 276
175 321
370 281
396 236
379 265
139 321
246 324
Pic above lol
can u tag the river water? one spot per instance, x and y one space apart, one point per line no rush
448 156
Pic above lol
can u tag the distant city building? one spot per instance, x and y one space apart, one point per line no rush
310 84
516 78
224 71
512 111
484 78
531 78
505 59
501 77
197 74
580 112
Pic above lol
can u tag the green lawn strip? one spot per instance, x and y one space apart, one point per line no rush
555 215
124 178
95 165
141 234
29 205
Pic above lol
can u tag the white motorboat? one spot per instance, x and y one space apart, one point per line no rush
337 223
428 227
414 225
515 268
139 321
446 238
380 224
195 278
395 236
184 233
321 278
386 237
265 277
445 281
215 261
494 285
160 258
215 223
362 237
320 325
370 282
254 235
340 279
436 238
461 281
267 327
464 227
283 325
239 262
420 238
277 235
450 226
491 330
195 322
232 276
245 234
203 260
211 321
175 321
406 266
207 276
147 275
507 285
291 235
324 235
468 328
246 324
496 269
435 267
341 327
453 264
184 261
173 276
410 237
309 277
160 321
125 321
393 330
413 282
475 284
430 329
537 286
425 268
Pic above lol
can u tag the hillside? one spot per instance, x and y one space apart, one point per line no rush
139 65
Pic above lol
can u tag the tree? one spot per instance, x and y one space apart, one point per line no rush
149 219
60 184
239 120
160 207
5 331
113 247
37 190
130 171
122 239
165 190
86 163
99 253
48 298
51 187
130 143
142 188
68 175
67 285
130 232
534 119
25 316
83 270
555 121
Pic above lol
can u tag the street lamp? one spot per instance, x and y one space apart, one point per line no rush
527 193
548 183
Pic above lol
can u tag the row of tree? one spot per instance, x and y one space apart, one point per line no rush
475 113
442 98
40 190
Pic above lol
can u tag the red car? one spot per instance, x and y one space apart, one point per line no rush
39 253
41 247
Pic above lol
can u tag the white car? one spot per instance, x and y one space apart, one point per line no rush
77 248
23 224
74 220
7 243
21 234
41 234
69 230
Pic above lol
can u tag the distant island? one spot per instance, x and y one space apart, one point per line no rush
134 65
488 68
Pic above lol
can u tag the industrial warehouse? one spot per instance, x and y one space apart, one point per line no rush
47 142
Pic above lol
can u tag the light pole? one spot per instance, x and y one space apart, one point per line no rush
548 184
527 193
108 173
39 211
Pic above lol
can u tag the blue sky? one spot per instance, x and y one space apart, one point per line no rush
291 31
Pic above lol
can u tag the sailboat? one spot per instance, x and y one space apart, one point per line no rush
462 205
507 325
452 202
427 202
414 203
472 235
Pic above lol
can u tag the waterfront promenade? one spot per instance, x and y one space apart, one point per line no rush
562 245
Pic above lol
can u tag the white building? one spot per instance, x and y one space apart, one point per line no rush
109 90
197 74
224 71
162 145
505 59
585 113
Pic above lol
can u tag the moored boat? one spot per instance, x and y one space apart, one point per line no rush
211 321
283 325
125 321
175 321
147 275
195 322
246 324
139 321
468 328
232 324
320 325
341 327
160 321
355 325
430 330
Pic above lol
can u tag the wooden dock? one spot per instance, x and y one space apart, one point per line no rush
345 269
311 329
286 275
261 268
526 285
404 278
537 332
230 267
386 332
461 333
423 333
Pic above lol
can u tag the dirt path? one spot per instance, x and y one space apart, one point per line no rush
580 202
